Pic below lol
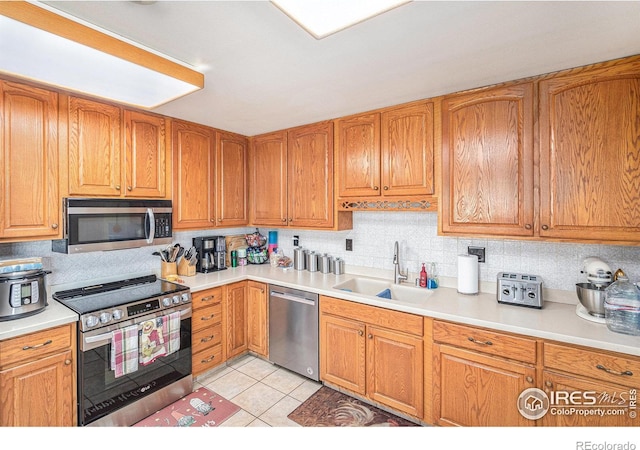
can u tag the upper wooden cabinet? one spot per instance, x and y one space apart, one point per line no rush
386 154
291 178
487 162
99 163
29 205
193 175
231 179
589 147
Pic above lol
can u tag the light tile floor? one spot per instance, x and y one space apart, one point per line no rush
266 393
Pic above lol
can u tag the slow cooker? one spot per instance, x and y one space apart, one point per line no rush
22 293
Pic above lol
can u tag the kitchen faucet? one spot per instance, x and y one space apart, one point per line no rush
398 276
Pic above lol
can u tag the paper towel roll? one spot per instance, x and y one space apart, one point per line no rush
468 279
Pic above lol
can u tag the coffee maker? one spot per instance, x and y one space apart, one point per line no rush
212 253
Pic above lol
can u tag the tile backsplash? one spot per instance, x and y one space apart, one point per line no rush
373 236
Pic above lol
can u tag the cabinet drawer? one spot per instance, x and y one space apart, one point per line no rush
207 337
206 359
35 345
205 317
206 298
486 341
617 368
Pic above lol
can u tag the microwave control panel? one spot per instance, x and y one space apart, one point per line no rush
163 227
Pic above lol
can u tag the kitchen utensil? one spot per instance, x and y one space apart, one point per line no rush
592 298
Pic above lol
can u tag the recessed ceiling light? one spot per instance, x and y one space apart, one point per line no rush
41 45
324 17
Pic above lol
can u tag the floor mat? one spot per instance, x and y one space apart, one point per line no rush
330 408
201 408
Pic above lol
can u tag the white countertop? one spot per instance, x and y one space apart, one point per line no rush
555 321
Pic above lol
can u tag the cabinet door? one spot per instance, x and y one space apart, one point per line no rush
611 399
268 179
236 318
145 155
29 161
589 147
39 393
231 180
258 318
358 155
407 135
310 176
342 353
193 171
94 148
476 390
487 162
395 370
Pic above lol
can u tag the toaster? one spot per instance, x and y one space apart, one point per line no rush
520 289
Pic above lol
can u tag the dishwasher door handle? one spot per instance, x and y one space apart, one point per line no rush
292 298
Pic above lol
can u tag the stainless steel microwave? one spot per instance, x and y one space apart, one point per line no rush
92 224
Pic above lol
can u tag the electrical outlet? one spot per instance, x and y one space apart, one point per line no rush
479 251
349 245
296 240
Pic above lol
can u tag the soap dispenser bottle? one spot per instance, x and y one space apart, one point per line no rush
423 276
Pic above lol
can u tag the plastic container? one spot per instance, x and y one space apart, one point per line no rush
622 307
242 257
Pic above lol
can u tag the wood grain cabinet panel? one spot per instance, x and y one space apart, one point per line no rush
267 179
29 206
589 147
258 318
207 340
231 180
235 308
487 162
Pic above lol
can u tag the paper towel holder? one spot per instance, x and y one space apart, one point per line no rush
468 275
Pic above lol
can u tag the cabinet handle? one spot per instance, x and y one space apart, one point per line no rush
479 342
54 226
129 188
67 362
376 188
284 219
290 220
33 347
207 298
386 188
545 227
527 226
208 317
627 373
212 220
548 384
219 220
360 333
207 339
262 291
204 361
117 187
370 336
529 380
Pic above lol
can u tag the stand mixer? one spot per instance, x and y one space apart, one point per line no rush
591 294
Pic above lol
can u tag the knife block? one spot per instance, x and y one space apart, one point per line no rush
185 270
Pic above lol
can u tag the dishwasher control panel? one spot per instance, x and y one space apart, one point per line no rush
520 289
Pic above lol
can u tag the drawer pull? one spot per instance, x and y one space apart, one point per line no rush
207 339
479 342
208 317
204 361
208 298
613 372
33 347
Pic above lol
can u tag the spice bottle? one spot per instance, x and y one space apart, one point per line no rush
423 276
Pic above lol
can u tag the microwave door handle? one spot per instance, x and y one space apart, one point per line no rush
150 225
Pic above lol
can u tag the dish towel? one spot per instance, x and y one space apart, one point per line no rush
172 332
152 341
124 350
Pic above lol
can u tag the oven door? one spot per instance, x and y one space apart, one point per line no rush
102 394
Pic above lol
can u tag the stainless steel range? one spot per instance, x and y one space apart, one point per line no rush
134 348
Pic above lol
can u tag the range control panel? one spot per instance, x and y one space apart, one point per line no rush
520 289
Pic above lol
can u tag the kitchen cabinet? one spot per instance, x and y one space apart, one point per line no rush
487 162
235 312
193 172
231 180
373 352
387 155
116 152
479 374
594 380
589 146
292 179
258 318
37 375
207 343
29 152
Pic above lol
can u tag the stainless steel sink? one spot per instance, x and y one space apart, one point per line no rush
384 289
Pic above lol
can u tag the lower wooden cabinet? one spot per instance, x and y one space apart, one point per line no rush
37 379
373 352
235 312
258 318
207 343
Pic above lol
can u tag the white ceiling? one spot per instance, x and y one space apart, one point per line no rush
265 73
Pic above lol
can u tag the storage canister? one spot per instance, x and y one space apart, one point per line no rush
622 307
324 263
299 258
242 256
312 262
338 266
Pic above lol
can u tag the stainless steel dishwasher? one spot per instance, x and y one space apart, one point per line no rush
293 330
